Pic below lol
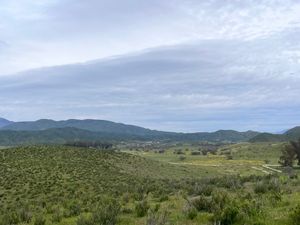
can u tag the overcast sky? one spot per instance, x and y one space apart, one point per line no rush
178 65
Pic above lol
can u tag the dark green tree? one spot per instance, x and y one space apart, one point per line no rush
288 156
290 153
296 147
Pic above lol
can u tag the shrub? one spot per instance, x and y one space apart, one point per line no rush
260 188
203 189
141 208
25 215
39 220
189 211
163 198
107 212
10 218
295 216
182 158
229 157
219 200
178 152
250 209
74 209
195 153
57 215
155 218
84 221
267 185
202 203
126 197
227 216
126 210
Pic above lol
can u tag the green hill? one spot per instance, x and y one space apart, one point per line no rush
290 135
293 134
267 137
48 176
58 136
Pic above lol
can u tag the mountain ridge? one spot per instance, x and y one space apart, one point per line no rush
4 122
290 135
93 130
40 130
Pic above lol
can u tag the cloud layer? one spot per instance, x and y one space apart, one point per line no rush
52 32
180 65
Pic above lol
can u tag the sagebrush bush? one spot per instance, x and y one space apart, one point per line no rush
267 185
260 188
82 220
39 220
25 215
219 200
202 203
189 211
228 215
141 208
107 212
74 209
157 218
203 189
57 215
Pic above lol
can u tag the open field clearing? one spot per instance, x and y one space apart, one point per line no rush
245 159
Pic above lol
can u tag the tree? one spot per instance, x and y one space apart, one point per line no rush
296 147
290 153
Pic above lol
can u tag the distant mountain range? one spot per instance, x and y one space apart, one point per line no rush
57 132
50 131
289 135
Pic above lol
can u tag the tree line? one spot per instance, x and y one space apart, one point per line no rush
90 144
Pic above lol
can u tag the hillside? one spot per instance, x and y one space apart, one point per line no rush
65 175
290 135
61 185
50 131
58 136
293 134
268 137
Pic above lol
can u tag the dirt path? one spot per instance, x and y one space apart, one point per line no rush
261 170
267 166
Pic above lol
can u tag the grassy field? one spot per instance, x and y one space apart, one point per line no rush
82 186
245 159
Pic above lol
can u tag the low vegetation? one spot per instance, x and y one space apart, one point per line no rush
69 185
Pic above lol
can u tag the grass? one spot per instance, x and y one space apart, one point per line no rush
245 157
62 184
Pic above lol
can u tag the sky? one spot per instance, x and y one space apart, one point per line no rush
174 65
